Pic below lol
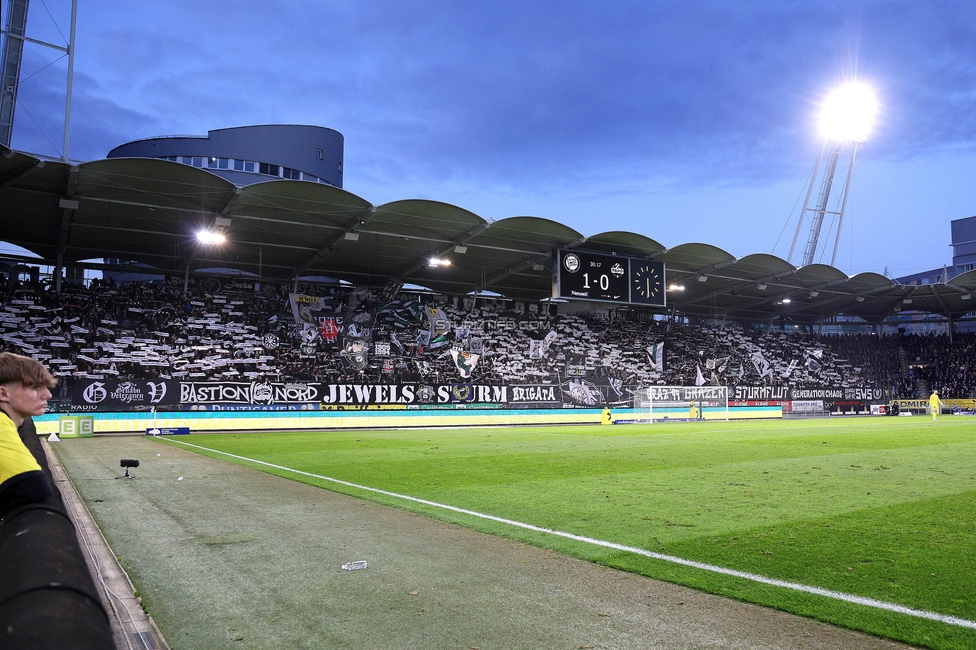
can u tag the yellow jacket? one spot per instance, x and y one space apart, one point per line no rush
15 458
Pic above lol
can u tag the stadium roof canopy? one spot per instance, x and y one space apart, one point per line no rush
149 211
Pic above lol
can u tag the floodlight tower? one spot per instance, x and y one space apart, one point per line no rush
846 118
11 57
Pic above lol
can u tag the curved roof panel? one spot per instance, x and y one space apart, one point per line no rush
695 258
820 274
148 210
512 256
621 242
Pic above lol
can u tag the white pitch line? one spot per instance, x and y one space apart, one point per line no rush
817 591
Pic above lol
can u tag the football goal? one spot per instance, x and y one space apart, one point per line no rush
681 403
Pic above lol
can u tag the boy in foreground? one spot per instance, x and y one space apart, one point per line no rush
25 388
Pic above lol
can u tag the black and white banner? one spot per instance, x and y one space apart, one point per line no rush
787 394
109 395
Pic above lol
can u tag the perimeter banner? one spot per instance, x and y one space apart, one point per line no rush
264 393
135 395
787 394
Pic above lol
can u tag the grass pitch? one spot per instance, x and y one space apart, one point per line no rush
880 507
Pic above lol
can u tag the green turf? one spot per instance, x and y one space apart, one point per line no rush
879 507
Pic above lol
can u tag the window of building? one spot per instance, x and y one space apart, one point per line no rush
309 177
238 165
270 170
319 154
197 161
288 172
248 166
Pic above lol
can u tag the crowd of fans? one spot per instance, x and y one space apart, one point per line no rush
142 330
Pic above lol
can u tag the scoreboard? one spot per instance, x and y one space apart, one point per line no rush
582 275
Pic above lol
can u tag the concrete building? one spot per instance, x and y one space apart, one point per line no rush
963 256
251 154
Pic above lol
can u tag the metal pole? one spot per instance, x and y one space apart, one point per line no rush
818 216
806 202
843 205
71 75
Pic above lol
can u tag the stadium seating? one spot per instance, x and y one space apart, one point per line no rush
152 331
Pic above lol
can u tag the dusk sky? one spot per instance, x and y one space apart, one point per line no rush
683 121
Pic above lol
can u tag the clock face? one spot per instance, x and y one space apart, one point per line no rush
647 283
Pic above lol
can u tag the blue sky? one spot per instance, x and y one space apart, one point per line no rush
683 121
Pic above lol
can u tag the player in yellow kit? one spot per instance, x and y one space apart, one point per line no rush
25 388
936 404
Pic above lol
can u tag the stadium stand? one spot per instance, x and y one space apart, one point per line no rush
150 331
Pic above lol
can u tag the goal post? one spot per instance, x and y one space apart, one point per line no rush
681 403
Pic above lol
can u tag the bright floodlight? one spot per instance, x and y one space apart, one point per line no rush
848 113
436 261
210 237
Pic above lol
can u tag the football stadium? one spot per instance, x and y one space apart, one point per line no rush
286 416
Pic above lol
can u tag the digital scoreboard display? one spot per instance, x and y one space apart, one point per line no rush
582 275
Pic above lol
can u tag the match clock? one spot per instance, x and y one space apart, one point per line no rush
647 282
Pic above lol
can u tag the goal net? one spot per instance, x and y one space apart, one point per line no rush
681 403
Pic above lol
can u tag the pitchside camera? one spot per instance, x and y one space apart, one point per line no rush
127 463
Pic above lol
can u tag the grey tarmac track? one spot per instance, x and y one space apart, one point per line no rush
232 557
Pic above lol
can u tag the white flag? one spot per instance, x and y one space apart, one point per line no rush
699 380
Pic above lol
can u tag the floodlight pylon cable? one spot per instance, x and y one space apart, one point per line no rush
39 127
790 216
56 26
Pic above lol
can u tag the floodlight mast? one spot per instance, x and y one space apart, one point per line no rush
844 124
10 68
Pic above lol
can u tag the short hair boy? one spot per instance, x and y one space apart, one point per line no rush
25 388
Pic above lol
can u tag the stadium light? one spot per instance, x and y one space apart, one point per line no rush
434 262
786 301
848 113
676 287
211 237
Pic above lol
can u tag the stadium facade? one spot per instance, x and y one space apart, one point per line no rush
245 155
